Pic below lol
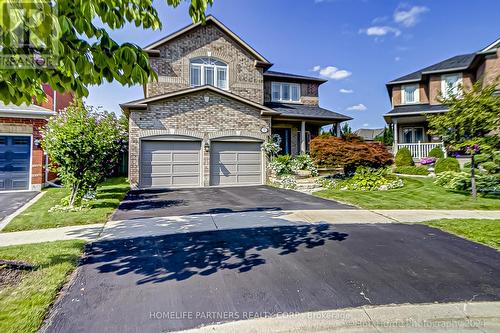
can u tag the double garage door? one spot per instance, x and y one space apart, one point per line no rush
179 164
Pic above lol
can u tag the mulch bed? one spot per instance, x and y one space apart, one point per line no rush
11 272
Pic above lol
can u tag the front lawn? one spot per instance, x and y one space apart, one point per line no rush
486 232
25 301
418 193
37 216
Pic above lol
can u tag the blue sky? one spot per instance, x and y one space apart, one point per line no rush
358 45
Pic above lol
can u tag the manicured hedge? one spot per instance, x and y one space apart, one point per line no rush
404 158
447 164
412 170
348 152
436 152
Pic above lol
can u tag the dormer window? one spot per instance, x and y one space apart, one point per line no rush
285 92
450 84
208 71
409 94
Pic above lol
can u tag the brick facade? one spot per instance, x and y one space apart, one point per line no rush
172 66
191 115
27 126
309 91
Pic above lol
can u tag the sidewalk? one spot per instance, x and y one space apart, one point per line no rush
448 317
157 226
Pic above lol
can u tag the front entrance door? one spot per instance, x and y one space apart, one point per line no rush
286 140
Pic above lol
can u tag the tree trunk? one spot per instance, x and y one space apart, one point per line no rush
74 191
473 178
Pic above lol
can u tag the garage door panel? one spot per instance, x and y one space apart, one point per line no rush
170 164
236 163
15 162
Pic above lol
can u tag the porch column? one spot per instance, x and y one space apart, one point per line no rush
395 133
338 129
303 137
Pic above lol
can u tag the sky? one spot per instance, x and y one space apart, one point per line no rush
358 45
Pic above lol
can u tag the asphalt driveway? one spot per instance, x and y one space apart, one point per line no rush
174 282
12 201
213 200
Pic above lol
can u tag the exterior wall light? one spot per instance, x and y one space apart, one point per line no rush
206 98
206 147
37 142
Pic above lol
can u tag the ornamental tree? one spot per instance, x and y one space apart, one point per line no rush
66 43
83 144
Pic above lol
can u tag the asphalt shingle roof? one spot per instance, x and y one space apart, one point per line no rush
456 62
416 108
369 133
306 111
293 76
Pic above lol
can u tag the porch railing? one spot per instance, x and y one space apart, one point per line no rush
421 149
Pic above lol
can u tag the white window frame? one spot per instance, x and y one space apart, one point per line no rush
215 68
413 132
416 94
281 86
444 87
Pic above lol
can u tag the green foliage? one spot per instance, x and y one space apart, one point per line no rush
472 115
303 162
83 144
387 137
280 165
70 47
348 152
491 167
436 152
404 158
272 146
346 129
461 181
447 164
283 165
364 179
412 170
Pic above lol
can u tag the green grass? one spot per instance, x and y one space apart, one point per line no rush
418 193
23 306
37 216
486 232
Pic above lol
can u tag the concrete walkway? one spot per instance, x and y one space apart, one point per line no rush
157 226
448 317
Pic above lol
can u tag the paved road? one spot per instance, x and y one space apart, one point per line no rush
12 201
174 282
213 200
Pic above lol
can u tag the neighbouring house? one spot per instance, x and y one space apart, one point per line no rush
415 95
23 163
369 134
202 123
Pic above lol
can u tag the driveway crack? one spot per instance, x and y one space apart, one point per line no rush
213 220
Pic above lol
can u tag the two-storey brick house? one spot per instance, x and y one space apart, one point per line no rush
416 95
202 123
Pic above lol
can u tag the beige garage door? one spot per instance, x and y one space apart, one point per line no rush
170 164
235 163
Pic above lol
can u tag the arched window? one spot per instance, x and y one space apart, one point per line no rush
208 71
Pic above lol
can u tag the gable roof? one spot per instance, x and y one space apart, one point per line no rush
459 62
142 103
369 133
211 19
24 110
492 47
293 76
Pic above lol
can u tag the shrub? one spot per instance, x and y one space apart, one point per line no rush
412 170
280 165
436 152
348 153
447 164
303 162
286 165
461 181
404 158
491 167
365 179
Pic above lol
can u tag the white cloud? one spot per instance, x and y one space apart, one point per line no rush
380 31
366 125
357 107
332 72
397 58
379 19
346 91
409 17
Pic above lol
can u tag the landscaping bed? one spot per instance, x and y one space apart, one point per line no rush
37 216
27 294
418 193
486 232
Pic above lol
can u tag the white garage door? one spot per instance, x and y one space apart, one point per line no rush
236 163
170 164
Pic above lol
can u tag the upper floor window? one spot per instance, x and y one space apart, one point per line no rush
450 84
409 94
208 71
285 92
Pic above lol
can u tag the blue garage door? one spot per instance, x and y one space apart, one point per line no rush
14 162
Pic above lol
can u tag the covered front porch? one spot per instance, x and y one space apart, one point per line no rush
296 134
413 133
